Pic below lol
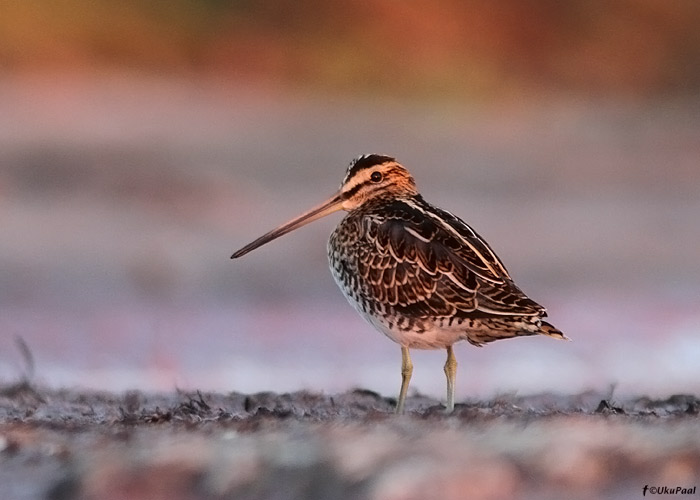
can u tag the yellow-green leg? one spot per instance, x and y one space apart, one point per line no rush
406 371
451 374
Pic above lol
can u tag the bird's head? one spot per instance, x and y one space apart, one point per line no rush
368 178
375 177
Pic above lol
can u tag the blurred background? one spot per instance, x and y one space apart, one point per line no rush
141 143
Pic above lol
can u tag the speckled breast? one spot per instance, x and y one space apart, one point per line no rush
358 269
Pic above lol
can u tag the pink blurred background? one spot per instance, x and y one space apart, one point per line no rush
140 145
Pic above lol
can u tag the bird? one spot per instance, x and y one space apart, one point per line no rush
419 274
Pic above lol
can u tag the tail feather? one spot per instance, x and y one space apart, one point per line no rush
552 331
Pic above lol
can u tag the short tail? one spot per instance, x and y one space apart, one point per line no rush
552 331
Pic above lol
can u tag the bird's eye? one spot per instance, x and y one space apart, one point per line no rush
376 177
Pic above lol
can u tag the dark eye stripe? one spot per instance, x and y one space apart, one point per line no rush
353 191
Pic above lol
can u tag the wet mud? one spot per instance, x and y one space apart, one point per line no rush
65 444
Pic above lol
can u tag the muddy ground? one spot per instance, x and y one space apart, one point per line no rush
66 444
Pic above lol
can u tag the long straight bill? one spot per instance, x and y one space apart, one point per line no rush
333 204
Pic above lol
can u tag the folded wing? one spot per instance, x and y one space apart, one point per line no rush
426 262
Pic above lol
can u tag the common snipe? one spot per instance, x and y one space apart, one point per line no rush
419 274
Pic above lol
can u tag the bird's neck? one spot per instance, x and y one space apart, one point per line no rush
382 202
